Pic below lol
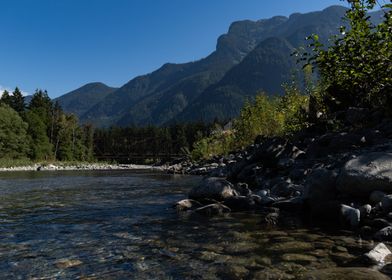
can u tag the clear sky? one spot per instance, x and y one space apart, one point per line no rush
60 45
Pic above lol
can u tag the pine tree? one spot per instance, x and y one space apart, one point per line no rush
18 101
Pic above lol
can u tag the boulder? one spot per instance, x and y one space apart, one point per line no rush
376 197
344 273
213 188
333 143
366 173
350 215
365 210
384 234
295 203
379 223
320 186
378 254
386 203
241 203
243 189
213 209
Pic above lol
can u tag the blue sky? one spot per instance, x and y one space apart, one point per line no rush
60 45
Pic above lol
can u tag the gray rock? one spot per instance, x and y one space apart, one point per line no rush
376 197
350 215
320 194
379 223
378 254
243 189
263 193
282 189
365 174
320 186
187 204
365 210
267 200
213 209
386 202
384 234
241 203
213 188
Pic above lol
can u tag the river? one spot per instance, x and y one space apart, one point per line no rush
119 225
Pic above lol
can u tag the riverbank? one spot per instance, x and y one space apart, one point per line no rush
80 166
342 178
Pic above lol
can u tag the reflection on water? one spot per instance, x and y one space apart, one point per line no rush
119 225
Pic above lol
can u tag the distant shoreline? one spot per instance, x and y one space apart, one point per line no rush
82 167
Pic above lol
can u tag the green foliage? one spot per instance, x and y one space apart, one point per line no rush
46 133
218 143
13 134
294 107
266 116
15 101
356 69
40 147
263 117
18 101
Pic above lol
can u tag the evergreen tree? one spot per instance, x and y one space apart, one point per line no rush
6 98
41 148
13 136
18 101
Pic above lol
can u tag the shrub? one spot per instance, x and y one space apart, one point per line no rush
356 69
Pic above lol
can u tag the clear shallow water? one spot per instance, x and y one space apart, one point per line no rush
119 225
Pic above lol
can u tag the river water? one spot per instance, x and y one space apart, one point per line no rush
119 225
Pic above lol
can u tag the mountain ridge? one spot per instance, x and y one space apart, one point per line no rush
236 70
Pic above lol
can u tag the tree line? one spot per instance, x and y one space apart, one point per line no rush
138 144
41 130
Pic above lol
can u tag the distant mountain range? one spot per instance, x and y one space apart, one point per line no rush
253 56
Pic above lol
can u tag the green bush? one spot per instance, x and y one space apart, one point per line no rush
356 69
266 116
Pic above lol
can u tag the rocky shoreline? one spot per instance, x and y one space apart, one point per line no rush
338 178
82 166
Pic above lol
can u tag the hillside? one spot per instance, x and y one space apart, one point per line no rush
82 99
253 56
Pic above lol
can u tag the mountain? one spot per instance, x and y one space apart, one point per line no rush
157 97
82 99
253 56
266 68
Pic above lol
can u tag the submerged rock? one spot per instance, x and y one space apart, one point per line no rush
299 258
187 204
344 273
291 247
272 274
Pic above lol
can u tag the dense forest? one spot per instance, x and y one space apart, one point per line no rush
41 131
